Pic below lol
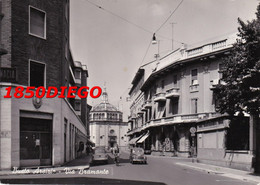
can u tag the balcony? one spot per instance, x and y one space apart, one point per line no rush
140 112
177 119
159 97
143 108
194 88
8 74
147 104
172 93
131 118
213 84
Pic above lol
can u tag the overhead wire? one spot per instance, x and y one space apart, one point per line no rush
140 27
129 22
169 16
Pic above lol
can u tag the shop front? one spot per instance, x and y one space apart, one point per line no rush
35 141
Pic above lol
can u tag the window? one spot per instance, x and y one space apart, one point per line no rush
36 74
162 84
173 109
161 110
77 74
194 106
175 80
37 22
194 77
221 66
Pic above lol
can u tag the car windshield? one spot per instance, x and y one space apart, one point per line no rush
138 150
100 150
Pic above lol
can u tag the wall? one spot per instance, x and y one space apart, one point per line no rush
10 124
211 147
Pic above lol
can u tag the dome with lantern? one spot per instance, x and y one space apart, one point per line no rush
105 111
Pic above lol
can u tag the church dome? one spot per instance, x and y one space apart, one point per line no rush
104 107
105 111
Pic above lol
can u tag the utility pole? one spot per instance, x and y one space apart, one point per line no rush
172 31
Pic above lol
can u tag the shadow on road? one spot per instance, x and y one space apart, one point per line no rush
111 160
79 180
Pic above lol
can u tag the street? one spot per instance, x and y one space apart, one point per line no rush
159 170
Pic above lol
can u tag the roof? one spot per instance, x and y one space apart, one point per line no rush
104 106
182 56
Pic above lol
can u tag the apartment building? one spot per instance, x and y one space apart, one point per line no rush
34 37
173 109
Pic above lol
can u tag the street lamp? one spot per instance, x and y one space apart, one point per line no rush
154 41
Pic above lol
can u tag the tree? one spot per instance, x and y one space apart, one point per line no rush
241 71
240 90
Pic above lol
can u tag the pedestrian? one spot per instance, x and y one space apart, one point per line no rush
116 153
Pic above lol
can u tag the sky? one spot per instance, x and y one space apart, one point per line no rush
113 38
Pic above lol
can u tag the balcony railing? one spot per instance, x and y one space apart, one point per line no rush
140 112
105 119
171 93
160 97
8 74
218 45
179 119
195 51
215 82
194 88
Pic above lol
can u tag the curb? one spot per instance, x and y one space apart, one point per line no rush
229 175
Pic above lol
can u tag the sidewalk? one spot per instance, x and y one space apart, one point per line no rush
76 164
227 172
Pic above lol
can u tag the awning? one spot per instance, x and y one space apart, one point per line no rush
133 141
89 142
143 138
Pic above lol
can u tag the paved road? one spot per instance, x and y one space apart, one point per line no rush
158 171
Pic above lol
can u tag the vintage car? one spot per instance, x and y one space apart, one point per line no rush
137 156
100 155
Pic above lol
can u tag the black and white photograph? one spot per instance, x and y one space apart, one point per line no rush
131 92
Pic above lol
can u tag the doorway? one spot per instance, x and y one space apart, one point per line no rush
35 142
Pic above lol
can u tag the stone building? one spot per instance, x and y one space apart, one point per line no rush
106 125
34 41
173 109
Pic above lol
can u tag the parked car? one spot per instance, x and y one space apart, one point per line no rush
147 152
137 156
100 155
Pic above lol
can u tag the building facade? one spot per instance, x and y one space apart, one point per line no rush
106 125
44 131
173 109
